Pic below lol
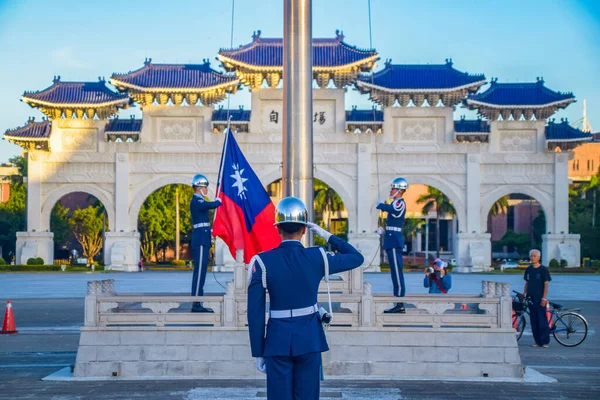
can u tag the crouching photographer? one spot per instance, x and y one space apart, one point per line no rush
438 279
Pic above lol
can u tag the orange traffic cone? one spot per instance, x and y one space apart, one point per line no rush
8 326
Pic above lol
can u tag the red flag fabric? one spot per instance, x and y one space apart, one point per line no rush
247 214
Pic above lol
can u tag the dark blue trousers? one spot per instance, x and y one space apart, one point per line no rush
539 323
294 377
200 268
395 259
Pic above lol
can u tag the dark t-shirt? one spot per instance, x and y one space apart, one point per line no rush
535 278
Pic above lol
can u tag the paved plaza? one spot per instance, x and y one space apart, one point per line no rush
49 311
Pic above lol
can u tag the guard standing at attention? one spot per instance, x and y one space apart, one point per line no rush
393 242
201 236
290 354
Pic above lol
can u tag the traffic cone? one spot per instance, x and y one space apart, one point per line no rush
8 326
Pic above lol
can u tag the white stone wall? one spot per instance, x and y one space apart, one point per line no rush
417 143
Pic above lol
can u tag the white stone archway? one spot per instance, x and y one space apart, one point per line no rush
452 192
54 196
541 197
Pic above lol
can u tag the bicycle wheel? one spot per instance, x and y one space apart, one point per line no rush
520 325
569 329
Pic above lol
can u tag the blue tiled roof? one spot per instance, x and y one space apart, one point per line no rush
471 125
173 76
124 125
356 115
87 93
564 132
520 94
239 115
268 52
31 130
421 76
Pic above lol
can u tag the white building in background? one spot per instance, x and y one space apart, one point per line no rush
84 147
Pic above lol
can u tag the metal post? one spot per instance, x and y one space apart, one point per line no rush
297 103
426 241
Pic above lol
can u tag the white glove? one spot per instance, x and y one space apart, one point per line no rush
380 230
317 230
261 365
379 202
218 199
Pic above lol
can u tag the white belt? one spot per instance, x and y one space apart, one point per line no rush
298 312
393 228
202 225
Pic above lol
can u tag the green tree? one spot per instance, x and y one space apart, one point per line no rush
59 224
520 241
434 199
157 220
326 201
411 227
592 186
86 225
13 212
499 207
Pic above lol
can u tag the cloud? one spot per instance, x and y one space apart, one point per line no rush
64 57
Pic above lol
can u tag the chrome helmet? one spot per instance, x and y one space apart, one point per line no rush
200 180
399 183
291 210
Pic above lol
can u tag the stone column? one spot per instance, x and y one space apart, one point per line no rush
122 242
364 238
122 194
561 193
473 247
34 191
38 241
560 244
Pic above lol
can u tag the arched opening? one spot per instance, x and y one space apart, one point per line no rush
516 222
165 225
329 207
431 224
79 221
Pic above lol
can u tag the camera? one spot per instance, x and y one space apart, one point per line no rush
325 316
430 270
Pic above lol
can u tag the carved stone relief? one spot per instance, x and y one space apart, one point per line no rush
418 130
518 141
78 172
79 139
177 130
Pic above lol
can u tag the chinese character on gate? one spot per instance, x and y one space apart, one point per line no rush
320 116
274 116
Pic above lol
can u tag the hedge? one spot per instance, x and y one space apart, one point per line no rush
45 268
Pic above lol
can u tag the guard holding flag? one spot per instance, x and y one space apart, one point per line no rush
201 238
290 353
393 242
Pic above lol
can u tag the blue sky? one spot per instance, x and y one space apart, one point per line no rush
511 40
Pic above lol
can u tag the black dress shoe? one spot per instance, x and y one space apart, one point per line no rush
197 307
393 310
397 309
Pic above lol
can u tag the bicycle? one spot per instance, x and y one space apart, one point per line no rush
568 326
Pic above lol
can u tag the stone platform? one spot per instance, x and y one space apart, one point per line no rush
155 336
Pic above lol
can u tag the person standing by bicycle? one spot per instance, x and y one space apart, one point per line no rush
537 278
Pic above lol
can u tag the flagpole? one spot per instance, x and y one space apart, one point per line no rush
297 104
220 175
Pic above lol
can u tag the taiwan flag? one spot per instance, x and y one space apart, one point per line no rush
246 217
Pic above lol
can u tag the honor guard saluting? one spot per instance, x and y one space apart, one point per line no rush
201 236
393 242
290 354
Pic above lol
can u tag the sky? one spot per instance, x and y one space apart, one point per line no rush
513 40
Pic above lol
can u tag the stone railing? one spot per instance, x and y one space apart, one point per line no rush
350 310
